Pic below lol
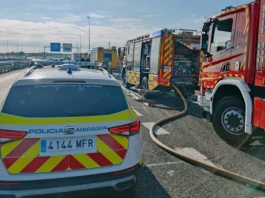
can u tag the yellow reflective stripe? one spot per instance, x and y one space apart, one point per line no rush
167 46
86 161
50 164
113 157
122 141
25 159
168 39
11 119
133 114
141 162
7 148
166 54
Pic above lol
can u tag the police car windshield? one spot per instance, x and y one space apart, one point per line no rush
64 100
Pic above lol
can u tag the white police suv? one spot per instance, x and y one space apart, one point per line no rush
67 129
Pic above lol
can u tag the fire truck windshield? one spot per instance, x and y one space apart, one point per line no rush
222 33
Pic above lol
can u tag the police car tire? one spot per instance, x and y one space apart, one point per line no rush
221 106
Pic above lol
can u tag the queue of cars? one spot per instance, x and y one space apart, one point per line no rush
6 58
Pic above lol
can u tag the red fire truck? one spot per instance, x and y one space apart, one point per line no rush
155 61
232 75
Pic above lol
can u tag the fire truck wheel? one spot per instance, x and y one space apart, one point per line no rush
145 83
229 120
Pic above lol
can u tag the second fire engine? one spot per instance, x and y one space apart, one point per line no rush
155 61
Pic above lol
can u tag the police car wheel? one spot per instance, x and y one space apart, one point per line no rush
229 121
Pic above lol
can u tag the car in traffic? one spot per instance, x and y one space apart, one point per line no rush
68 129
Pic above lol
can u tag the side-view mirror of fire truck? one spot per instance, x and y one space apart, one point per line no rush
232 74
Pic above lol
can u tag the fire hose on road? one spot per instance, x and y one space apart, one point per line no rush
233 176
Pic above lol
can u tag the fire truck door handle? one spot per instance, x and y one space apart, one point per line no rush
225 67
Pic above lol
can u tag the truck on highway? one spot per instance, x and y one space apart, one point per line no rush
232 79
108 57
155 61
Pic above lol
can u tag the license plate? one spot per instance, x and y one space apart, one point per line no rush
65 146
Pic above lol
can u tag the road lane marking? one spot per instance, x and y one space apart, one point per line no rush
139 107
194 154
164 164
171 173
158 129
137 113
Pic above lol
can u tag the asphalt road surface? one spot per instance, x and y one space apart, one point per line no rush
165 176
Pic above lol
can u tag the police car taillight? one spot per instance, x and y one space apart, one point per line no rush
7 135
128 129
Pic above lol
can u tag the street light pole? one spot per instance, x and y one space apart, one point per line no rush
80 46
88 34
7 47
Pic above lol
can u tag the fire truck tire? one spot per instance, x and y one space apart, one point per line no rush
229 121
144 83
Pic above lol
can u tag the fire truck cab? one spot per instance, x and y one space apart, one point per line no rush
232 73
155 61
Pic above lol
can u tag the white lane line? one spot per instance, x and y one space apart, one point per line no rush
137 113
164 164
158 130
194 154
139 107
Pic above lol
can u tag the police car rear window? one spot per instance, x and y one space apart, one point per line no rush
64 100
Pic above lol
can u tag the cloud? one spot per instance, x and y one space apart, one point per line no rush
46 18
126 20
196 21
71 18
98 16
97 22
28 14
61 7
152 15
39 34
191 15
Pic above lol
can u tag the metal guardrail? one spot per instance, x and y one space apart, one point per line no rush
7 66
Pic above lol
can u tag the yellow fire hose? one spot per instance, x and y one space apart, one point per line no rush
228 174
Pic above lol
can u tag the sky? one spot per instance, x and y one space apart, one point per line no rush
29 25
